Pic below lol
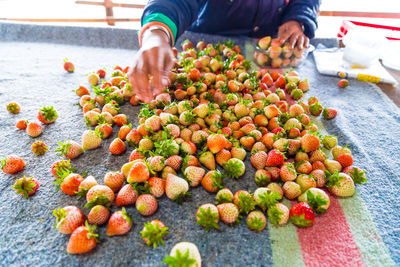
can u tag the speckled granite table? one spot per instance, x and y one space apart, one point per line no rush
360 230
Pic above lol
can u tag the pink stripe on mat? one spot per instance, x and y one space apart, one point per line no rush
329 242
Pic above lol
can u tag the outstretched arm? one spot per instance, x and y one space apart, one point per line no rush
163 21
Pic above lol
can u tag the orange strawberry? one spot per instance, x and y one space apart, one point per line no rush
69 149
82 90
12 164
34 129
114 180
117 146
194 175
223 156
176 188
85 185
345 160
70 184
104 130
126 196
47 115
123 132
153 233
99 194
228 212
68 219
212 181
288 172
216 142
83 239
119 224
146 204
157 186
138 173
120 119
135 154
22 124
98 215
247 142
309 143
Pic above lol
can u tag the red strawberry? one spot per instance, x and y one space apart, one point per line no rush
174 162
70 184
117 146
194 175
126 196
34 129
275 158
13 108
114 180
68 66
153 233
256 221
176 188
22 124
90 140
119 224
47 115
157 186
98 215
99 194
345 160
101 73
343 83
258 160
104 130
12 164
138 173
120 119
39 148
302 215
82 240
329 113
26 187
146 204
208 216
68 219
69 149
228 212
61 168
135 154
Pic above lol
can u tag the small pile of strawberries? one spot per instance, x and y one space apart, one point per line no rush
214 114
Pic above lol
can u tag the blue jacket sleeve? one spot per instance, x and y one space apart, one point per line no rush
182 12
305 12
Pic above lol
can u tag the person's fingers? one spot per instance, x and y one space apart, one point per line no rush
284 36
293 39
300 41
157 67
142 79
306 41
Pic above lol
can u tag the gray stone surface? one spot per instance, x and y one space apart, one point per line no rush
32 75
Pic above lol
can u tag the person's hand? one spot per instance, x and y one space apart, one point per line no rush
292 32
154 59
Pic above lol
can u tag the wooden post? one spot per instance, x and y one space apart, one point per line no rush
109 12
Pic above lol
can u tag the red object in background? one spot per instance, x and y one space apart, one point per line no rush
351 24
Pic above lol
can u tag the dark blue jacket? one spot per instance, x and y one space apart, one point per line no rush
254 18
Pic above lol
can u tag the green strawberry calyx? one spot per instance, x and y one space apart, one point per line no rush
49 113
300 220
98 200
126 216
358 176
269 199
246 203
333 179
154 234
256 224
207 219
24 186
274 215
179 260
316 202
180 198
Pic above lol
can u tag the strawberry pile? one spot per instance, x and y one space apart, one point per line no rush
214 114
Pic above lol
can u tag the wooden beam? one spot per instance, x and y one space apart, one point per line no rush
109 12
111 4
382 15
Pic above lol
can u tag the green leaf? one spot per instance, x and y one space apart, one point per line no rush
179 260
